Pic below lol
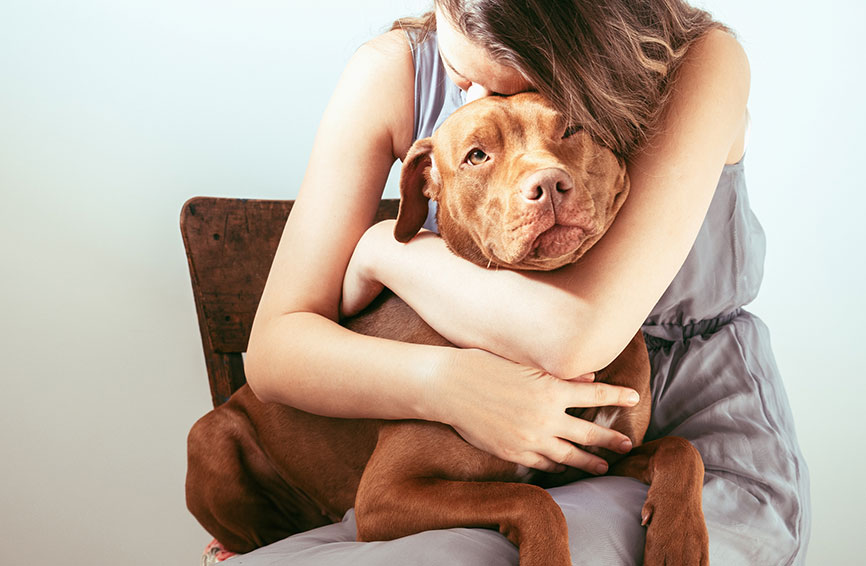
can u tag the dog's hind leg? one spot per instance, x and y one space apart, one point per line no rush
234 491
259 472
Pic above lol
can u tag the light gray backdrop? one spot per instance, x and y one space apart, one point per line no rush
114 112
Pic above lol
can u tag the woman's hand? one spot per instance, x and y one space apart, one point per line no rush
518 413
360 285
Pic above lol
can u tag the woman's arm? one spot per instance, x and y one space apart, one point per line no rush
579 318
299 355
293 355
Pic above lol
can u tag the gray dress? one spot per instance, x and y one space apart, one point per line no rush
715 382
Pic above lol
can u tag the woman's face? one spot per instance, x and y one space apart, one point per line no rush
471 67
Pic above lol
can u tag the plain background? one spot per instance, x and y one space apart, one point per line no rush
114 112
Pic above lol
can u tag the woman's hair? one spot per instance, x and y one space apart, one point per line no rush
605 65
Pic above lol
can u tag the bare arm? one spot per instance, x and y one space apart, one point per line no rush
297 352
299 355
577 319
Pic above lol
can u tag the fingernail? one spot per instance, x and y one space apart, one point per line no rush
626 445
601 468
633 398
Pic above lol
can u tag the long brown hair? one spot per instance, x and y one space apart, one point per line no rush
606 65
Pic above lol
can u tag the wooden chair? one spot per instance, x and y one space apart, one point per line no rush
230 244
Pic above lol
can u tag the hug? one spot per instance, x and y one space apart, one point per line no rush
549 341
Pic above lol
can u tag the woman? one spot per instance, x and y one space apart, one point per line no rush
665 87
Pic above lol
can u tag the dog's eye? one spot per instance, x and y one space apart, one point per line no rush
476 157
571 130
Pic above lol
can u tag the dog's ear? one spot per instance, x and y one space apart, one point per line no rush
415 191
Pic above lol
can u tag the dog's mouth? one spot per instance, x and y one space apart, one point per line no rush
557 241
553 247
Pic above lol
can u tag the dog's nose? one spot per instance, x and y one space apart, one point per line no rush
546 184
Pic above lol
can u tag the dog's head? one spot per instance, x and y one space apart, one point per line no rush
514 186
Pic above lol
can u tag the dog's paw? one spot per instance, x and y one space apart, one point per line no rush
676 534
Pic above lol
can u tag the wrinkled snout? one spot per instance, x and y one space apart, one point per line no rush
546 187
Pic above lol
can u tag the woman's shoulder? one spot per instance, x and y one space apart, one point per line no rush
719 58
394 43
382 70
711 88
719 51
390 55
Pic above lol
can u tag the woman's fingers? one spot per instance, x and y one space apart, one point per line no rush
588 433
518 413
587 394
587 378
570 455
543 463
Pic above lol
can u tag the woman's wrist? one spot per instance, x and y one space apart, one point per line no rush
389 259
432 377
379 251
362 281
382 260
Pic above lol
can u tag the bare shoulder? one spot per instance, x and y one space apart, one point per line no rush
716 72
719 47
719 57
394 43
383 72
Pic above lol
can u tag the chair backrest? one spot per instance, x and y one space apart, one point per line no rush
230 244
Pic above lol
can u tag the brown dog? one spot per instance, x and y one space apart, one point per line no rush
514 188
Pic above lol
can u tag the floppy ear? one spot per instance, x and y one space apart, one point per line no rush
414 178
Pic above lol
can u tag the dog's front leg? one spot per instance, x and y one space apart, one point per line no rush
423 476
673 514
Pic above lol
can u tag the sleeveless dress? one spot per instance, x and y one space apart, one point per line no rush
714 382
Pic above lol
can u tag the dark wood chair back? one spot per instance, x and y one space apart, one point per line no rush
230 244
